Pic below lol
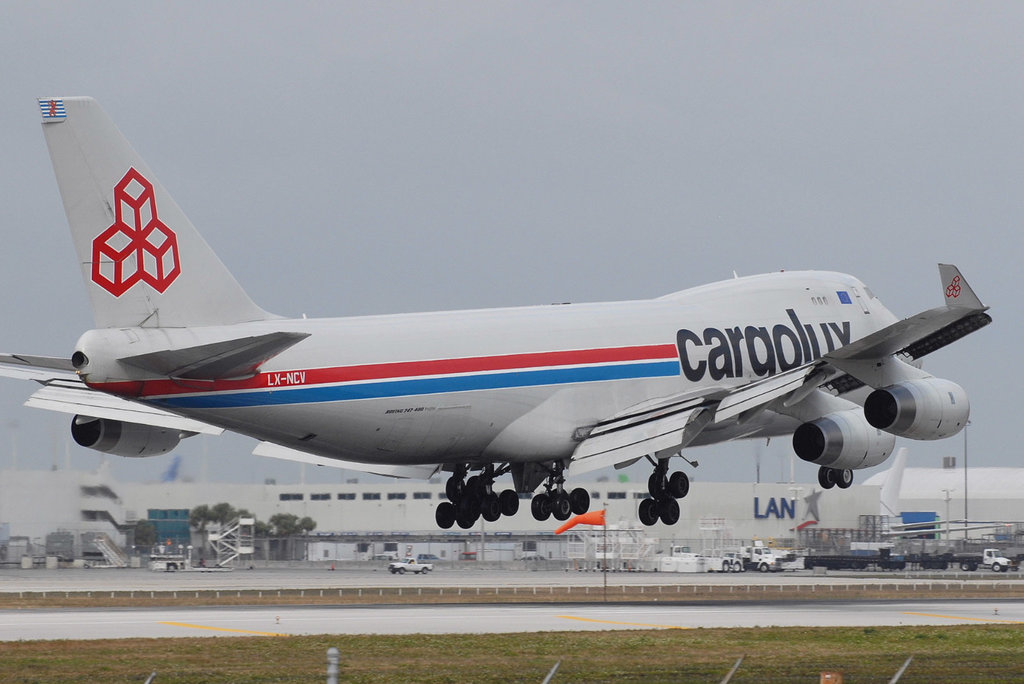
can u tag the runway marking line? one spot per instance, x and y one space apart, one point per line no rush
959 617
615 622
223 629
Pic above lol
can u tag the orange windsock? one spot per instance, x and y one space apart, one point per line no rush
591 518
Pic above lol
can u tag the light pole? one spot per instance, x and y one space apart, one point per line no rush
948 497
966 518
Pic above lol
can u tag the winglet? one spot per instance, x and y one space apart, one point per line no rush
956 290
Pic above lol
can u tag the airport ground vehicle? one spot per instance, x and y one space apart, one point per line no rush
761 558
989 558
409 565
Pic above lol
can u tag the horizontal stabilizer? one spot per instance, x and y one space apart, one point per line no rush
231 359
74 397
415 472
57 363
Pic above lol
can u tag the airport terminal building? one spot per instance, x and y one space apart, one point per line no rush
88 503
81 505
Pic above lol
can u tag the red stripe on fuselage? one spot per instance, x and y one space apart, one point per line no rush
401 369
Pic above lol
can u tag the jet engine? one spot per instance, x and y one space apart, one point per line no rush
121 438
842 440
930 408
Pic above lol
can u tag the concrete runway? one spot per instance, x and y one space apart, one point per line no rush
119 623
116 623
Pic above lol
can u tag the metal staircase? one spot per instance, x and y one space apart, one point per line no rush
112 553
234 540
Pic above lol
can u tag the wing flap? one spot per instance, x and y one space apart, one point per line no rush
759 393
66 397
672 431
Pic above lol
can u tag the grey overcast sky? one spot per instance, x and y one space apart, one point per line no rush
349 158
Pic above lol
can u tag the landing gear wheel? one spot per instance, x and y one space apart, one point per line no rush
444 515
844 478
509 502
468 510
540 507
668 511
826 477
561 508
648 512
491 508
579 500
453 488
678 485
657 483
474 488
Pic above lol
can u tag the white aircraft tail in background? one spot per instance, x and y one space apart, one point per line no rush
535 392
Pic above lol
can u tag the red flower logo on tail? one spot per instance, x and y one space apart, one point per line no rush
138 246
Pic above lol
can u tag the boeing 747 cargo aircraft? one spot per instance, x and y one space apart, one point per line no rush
540 392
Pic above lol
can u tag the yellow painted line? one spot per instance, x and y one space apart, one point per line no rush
223 629
614 622
976 619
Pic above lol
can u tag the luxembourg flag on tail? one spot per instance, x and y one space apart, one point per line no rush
52 109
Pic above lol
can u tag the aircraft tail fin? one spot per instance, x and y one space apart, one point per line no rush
143 262
890 495
956 290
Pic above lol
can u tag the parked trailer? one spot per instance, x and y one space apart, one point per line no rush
879 561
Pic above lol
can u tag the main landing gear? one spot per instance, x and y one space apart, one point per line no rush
665 489
474 498
555 501
835 477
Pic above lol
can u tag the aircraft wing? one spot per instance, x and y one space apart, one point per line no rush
77 398
673 422
271 450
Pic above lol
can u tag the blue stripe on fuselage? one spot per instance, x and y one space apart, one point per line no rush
404 388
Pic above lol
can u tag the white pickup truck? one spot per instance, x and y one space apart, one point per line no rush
409 565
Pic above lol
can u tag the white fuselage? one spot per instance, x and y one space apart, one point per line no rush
493 385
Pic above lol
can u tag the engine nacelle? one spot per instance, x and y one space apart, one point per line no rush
931 408
121 438
842 440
